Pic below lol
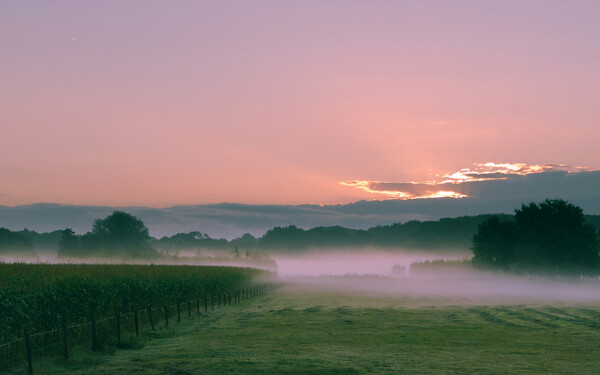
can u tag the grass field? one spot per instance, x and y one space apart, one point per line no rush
305 330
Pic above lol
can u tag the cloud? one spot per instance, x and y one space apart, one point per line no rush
407 190
464 183
488 189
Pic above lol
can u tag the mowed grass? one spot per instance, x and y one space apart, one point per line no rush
308 331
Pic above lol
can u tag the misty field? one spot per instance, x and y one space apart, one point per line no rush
311 330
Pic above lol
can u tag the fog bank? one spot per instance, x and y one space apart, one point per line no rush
354 261
369 274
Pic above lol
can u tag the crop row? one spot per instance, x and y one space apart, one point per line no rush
40 297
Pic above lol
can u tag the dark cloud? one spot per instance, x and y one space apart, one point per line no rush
231 220
494 181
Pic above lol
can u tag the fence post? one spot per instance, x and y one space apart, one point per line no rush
189 309
150 316
94 335
166 316
137 327
65 340
28 347
118 327
205 305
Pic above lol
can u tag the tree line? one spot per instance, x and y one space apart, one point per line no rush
123 232
552 234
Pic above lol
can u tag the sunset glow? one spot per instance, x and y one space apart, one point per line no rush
339 186
449 184
157 104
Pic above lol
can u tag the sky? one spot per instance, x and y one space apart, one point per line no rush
142 103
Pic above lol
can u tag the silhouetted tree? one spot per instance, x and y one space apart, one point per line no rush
494 243
68 243
119 234
13 242
549 236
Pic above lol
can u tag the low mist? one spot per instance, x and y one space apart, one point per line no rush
408 277
420 278
354 261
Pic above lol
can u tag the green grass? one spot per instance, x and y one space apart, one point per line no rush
307 331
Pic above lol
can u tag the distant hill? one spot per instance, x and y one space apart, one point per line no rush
231 220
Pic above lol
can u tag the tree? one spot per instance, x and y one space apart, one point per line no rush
494 243
12 242
68 243
549 236
119 234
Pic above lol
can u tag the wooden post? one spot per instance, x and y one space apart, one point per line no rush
118 327
205 305
166 316
94 335
65 340
135 319
189 309
28 348
150 317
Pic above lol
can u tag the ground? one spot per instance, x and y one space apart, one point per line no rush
307 330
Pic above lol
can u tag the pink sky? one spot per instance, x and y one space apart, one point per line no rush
150 104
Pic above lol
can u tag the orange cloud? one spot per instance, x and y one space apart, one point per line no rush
452 184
